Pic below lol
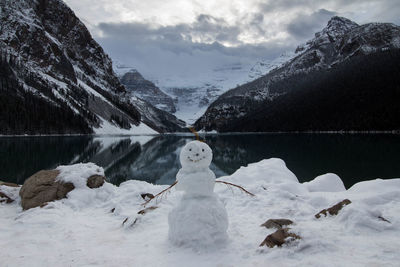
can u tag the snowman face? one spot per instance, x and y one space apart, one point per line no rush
195 155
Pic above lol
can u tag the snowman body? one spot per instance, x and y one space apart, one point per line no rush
200 218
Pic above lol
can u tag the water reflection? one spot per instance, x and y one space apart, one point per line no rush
353 157
156 159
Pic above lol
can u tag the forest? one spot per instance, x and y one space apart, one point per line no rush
25 112
361 94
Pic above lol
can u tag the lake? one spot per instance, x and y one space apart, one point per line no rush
155 159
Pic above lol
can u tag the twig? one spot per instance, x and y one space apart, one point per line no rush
238 186
172 185
160 194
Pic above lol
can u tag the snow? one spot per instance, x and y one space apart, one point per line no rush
92 91
52 38
106 128
198 222
329 182
77 174
82 230
11 192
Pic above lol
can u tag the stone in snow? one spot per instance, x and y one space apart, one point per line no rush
200 219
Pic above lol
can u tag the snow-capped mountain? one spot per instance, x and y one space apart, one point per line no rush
341 42
61 78
192 94
146 90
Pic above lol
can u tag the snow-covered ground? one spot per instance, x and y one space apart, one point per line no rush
82 230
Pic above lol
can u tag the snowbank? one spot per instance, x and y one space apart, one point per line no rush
78 174
329 182
86 229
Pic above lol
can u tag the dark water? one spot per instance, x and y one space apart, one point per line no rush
156 159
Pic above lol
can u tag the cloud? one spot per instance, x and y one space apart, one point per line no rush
304 26
205 29
192 36
182 48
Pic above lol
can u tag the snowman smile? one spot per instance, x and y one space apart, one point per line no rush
194 160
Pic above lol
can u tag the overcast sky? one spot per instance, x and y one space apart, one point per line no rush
162 36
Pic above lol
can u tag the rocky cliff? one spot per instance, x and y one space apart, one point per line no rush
58 78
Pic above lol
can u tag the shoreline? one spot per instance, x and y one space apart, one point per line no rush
393 132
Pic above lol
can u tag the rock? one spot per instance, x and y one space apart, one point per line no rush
95 181
5 198
144 211
334 210
147 90
279 237
147 196
276 223
41 188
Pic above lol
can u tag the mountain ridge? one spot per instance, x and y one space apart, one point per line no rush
341 40
54 57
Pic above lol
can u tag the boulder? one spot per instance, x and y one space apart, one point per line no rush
95 181
41 188
276 223
279 237
147 196
334 210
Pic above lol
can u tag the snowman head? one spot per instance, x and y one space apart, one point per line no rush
196 155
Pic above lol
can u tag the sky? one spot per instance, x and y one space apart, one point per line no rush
163 37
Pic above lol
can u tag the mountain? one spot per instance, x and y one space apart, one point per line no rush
193 91
346 78
146 90
56 79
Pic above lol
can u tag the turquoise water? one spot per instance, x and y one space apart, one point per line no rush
156 158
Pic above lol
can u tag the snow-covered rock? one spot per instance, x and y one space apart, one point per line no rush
49 185
78 174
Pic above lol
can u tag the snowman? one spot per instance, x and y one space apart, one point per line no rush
200 219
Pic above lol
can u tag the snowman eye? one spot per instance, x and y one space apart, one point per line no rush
202 150
190 149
